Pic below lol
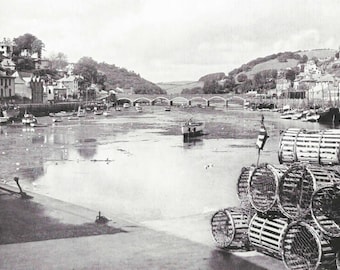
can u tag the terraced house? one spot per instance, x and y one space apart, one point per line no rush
7 86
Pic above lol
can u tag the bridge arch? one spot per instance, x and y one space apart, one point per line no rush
238 97
198 98
217 97
124 100
179 99
141 99
153 101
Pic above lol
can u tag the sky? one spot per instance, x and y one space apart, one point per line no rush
173 40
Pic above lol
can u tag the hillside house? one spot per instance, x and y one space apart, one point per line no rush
282 85
70 83
311 70
7 63
7 47
324 90
49 93
7 86
60 92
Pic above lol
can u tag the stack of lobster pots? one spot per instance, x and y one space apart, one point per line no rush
289 211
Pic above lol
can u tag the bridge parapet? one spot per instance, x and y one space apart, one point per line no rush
182 98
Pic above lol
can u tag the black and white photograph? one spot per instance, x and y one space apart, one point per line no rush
169 135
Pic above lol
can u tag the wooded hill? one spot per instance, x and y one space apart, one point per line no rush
122 78
261 73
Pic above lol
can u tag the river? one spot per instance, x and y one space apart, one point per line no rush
136 165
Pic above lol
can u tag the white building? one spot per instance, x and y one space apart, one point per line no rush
325 89
7 47
7 63
70 83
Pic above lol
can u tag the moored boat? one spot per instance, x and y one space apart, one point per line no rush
97 112
311 116
57 119
297 115
287 114
4 120
35 124
28 119
192 128
12 112
330 115
62 114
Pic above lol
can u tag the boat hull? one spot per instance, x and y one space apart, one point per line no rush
192 130
28 119
3 120
332 115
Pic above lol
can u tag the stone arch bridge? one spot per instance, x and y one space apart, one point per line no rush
171 100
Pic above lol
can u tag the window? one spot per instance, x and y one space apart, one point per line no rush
2 92
10 82
2 82
10 92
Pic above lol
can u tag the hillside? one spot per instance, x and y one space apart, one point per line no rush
318 53
280 61
178 87
271 64
121 77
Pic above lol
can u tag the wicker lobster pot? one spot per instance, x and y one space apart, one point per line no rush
304 248
297 186
287 145
242 186
316 147
266 235
326 210
229 228
263 186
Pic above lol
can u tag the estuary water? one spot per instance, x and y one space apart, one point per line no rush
136 165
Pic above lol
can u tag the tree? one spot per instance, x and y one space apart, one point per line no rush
58 61
37 47
210 87
290 75
304 59
87 68
29 43
242 77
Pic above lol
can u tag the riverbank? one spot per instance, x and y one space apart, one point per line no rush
44 233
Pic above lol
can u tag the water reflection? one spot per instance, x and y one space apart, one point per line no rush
192 142
87 152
